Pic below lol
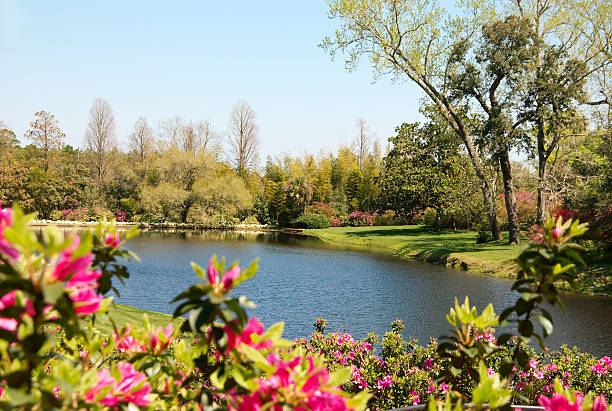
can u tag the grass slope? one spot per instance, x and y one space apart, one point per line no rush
123 314
455 249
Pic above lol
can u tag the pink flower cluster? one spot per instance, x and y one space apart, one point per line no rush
81 281
283 387
559 403
358 218
7 301
132 387
602 366
222 284
254 326
385 382
156 342
6 220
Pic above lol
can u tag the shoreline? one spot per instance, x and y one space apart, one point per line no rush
595 280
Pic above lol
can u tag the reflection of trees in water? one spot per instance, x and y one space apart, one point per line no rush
211 235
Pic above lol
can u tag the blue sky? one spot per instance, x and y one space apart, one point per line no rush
194 59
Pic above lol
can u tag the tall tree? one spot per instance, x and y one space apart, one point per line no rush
489 75
189 136
7 138
413 39
141 138
363 142
100 136
571 44
46 135
243 137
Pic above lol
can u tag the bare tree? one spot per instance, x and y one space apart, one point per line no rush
45 134
192 136
363 142
100 135
141 138
169 131
243 137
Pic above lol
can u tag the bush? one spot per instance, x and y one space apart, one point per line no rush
360 218
387 217
319 207
250 220
83 214
311 221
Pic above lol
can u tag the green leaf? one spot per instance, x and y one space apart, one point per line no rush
274 332
339 377
547 324
359 401
52 292
199 271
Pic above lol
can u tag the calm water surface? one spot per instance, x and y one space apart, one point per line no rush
300 279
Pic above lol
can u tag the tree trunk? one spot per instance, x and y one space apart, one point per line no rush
510 198
542 211
489 200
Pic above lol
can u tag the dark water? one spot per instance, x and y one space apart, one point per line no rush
302 278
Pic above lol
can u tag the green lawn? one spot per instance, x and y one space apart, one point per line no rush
455 248
123 314
421 243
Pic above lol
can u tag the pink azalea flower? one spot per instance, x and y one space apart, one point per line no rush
132 387
75 270
385 382
127 343
112 240
160 340
282 387
85 299
6 220
8 300
254 326
8 324
225 284
559 403
599 403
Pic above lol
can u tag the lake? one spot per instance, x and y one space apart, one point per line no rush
301 278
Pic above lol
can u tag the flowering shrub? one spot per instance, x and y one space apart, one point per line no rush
88 214
360 218
600 222
320 207
526 206
406 373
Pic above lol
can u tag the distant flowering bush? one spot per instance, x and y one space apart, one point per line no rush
88 214
526 207
360 218
600 222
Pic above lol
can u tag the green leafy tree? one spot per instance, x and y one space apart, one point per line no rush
46 136
419 171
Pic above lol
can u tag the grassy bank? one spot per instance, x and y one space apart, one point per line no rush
123 314
456 249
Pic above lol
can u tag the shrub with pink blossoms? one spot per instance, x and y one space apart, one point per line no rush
122 387
298 383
